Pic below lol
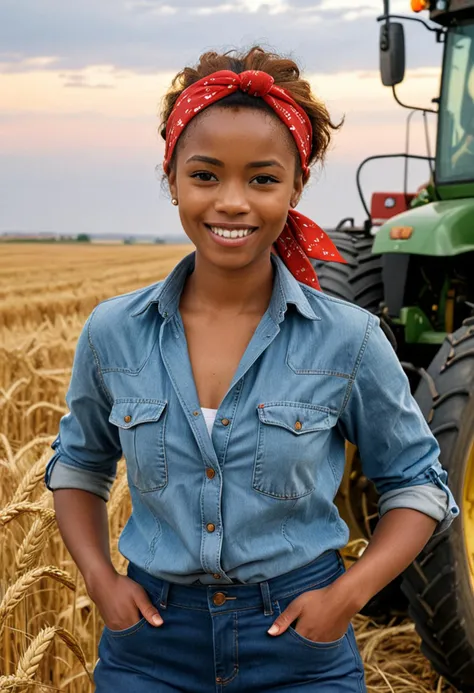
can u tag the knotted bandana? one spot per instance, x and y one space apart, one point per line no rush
301 237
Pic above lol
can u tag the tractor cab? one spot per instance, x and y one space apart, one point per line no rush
455 162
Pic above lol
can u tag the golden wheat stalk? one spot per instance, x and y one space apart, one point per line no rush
13 683
30 661
119 495
8 450
32 545
73 644
16 592
45 405
11 511
8 394
30 480
39 440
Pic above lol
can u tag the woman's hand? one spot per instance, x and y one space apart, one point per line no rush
322 616
120 599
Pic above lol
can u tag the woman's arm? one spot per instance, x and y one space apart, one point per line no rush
323 615
83 524
399 537
400 455
80 474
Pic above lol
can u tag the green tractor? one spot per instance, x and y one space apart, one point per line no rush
412 263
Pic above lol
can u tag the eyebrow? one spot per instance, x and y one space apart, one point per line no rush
217 162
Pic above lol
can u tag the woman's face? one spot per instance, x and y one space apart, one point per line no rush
235 178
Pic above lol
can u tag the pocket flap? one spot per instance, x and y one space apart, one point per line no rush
297 417
127 413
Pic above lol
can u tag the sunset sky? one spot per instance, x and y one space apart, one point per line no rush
81 84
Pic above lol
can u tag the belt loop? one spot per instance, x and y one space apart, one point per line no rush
164 594
266 598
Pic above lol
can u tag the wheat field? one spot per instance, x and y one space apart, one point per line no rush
49 627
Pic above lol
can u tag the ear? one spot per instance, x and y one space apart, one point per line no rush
172 183
297 190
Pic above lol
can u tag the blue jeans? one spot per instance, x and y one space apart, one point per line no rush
214 640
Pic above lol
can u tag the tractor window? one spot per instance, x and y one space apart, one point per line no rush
456 135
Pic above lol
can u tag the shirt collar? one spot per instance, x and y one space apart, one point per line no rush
286 290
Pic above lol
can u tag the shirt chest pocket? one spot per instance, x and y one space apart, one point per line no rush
141 425
291 442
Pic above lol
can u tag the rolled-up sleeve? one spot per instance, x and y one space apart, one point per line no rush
87 447
397 449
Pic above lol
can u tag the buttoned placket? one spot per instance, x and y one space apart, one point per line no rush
175 355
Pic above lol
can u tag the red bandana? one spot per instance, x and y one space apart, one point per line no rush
301 238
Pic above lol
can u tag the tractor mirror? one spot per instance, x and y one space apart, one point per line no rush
392 54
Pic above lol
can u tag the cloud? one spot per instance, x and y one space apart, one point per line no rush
79 81
150 35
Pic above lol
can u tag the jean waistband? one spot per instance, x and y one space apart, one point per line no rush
236 597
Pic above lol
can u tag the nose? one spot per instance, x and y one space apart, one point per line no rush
232 200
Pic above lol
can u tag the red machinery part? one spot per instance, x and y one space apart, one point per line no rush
386 205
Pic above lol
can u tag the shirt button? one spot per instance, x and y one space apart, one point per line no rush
216 576
225 422
219 599
210 527
127 418
210 473
298 425
195 413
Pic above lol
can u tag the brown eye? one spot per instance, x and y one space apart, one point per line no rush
264 180
203 176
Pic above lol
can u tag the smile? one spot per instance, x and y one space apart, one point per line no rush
234 233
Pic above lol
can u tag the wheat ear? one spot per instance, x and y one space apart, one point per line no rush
16 592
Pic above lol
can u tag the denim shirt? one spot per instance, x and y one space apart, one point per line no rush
255 499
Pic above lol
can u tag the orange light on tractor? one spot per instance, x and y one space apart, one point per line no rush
419 5
401 233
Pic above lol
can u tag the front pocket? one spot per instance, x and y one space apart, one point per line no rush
131 630
125 631
290 445
332 645
141 425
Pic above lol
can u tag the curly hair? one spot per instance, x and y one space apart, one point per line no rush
284 71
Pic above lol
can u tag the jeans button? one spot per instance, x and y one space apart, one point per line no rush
219 599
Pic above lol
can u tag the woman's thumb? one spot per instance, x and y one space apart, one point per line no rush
149 612
287 617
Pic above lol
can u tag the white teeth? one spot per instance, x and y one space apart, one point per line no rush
235 233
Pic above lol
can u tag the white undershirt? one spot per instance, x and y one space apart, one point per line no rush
209 418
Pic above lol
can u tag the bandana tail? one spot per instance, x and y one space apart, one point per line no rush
300 240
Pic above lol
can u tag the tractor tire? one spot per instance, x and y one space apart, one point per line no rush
360 281
439 585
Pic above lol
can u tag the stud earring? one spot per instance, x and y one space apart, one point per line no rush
174 202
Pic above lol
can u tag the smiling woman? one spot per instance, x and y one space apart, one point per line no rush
230 387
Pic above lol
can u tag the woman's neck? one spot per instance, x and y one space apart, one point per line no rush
235 292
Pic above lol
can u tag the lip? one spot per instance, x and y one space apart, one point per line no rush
232 227
230 242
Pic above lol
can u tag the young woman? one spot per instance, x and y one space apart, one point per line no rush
230 388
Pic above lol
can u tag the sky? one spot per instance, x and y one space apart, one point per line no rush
81 85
